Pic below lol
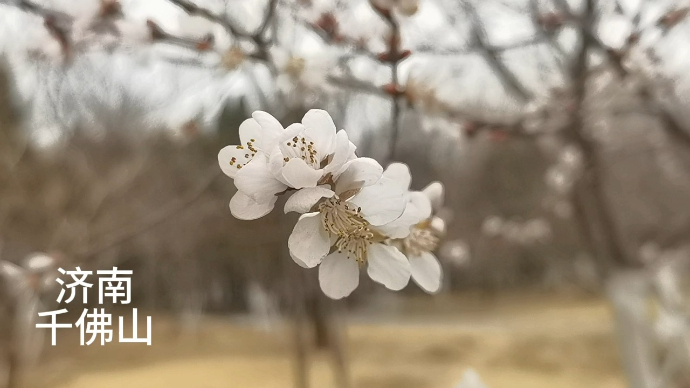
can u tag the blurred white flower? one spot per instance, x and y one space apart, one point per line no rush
457 252
671 326
418 232
471 379
571 157
348 219
303 70
559 179
492 226
41 270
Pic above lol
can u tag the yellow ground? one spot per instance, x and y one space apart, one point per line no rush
513 342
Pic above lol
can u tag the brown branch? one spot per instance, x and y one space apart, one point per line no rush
327 28
61 18
257 37
493 57
158 34
545 35
393 56
596 216
268 16
194 10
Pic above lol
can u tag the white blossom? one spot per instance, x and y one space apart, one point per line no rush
308 152
471 379
247 164
342 233
271 159
421 239
354 214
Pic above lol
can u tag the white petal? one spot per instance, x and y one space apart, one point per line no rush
250 129
271 130
400 173
435 192
400 227
321 130
381 203
338 275
358 173
438 224
244 208
299 174
388 266
303 200
16 278
341 153
286 137
256 180
269 124
422 203
225 156
471 379
351 155
309 242
275 164
298 261
426 272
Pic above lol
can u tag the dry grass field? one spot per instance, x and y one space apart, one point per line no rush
513 341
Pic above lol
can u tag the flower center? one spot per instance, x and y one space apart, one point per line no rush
355 244
420 240
344 220
251 151
341 218
300 147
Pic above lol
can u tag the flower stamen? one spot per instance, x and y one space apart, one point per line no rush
345 221
420 240
298 147
355 245
341 218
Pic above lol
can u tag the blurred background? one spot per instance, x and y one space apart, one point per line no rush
559 128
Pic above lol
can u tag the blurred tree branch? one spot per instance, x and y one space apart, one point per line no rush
151 221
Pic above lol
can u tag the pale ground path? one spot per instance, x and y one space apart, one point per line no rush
526 344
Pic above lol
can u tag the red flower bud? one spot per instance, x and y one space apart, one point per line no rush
392 90
551 21
383 57
328 23
206 43
110 8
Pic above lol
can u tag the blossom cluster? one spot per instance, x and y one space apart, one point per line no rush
354 214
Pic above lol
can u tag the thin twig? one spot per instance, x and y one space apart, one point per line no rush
150 222
492 56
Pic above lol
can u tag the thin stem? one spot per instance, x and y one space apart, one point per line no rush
152 221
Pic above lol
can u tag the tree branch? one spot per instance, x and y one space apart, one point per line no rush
150 222
492 56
